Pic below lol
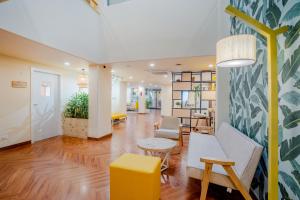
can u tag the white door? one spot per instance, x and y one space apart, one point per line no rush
45 109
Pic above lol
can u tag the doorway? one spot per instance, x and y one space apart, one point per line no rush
45 105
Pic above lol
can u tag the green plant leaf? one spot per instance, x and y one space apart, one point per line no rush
284 2
263 98
258 14
292 120
285 110
273 15
292 97
296 175
290 150
255 75
290 182
246 87
254 129
284 193
292 35
297 84
254 111
238 82
77 106
291 66
254 6
292 13
280 134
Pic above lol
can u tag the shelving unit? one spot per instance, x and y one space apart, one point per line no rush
187 93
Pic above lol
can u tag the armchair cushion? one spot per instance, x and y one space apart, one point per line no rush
170 123
167 133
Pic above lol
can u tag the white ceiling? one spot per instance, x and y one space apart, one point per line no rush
133 30
20 47
140 71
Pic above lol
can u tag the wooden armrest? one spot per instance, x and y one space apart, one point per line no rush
217 161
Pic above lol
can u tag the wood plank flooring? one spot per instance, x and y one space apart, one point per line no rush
66 168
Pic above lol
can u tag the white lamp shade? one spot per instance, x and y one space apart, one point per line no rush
82 81
236 51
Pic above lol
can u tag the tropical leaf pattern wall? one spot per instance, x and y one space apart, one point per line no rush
248 96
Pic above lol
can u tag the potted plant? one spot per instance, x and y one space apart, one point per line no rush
76 116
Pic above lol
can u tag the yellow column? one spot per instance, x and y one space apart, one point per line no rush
272 117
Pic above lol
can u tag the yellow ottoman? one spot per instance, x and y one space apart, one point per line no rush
135 177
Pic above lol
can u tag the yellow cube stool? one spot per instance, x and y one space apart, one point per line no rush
135 177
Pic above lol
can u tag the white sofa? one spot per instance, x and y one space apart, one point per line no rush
228 144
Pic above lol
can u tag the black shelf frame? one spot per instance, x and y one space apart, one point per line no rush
196 107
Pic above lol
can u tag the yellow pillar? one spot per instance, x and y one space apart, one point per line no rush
272 117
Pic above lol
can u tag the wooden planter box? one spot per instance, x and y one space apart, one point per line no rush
76 127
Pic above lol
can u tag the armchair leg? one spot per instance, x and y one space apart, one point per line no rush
237 183
205 181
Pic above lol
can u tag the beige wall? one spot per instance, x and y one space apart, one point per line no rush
15 102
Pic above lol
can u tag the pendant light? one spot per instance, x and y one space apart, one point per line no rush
236 51
82 80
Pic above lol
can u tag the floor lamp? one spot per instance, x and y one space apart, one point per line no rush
240 50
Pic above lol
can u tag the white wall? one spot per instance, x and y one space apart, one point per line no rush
166 100
222 96
15 102
133 30
118 96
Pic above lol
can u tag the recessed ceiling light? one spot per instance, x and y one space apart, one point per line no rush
152 65
67 64
113 71
210 65
166 76
130 77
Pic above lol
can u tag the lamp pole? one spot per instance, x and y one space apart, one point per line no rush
271 36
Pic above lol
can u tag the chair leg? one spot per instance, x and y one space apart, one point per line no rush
205 181
237 183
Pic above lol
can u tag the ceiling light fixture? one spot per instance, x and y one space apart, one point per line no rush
112 71
152 65
67 64
82 80
210 65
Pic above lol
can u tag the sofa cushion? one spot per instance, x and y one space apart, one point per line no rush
202 145
237 146
167 133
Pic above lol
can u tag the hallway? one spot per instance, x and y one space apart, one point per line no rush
71 168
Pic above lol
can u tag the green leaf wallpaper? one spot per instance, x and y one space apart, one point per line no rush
249 98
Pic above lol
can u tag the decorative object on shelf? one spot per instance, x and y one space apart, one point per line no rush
82 80
271 40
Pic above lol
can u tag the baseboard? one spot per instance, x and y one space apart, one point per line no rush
15 145
100 138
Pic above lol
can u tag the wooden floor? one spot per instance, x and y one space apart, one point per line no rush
70 168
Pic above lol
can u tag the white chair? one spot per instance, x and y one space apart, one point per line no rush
169 128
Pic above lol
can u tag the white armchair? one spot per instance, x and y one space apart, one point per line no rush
170 128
